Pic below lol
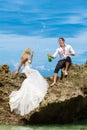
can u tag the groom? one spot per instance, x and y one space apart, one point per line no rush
65 52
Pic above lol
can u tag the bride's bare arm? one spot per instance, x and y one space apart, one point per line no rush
20 66
22 62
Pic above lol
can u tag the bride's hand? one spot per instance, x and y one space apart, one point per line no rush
15 72
32 53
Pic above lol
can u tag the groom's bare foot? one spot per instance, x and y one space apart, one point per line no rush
53 84
66 73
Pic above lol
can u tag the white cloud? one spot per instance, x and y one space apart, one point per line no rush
19 42
22 42
16 65
42 67
74 20
79 42
45 68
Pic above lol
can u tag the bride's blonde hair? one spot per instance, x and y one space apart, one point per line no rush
26 53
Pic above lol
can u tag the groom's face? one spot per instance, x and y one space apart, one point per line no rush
61 42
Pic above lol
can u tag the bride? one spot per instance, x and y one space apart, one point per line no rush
33 88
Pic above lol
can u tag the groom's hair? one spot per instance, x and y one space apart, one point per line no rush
62 38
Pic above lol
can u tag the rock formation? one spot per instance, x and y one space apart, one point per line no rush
65 102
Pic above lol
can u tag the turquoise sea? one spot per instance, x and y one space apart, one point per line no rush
79 125
51 127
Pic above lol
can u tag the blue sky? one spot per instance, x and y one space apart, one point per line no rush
38 25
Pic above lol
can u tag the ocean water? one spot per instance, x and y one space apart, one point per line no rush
47 127
78 125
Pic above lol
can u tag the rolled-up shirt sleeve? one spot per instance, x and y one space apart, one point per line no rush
71 50
56 53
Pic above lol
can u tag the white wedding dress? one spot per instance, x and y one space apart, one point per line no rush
31 93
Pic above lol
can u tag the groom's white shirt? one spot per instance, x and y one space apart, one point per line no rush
59 51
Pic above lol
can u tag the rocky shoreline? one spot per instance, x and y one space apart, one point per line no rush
65 102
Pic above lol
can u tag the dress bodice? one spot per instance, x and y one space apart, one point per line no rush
27 63
27 69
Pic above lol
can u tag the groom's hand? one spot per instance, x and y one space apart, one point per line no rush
48 54
69 54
